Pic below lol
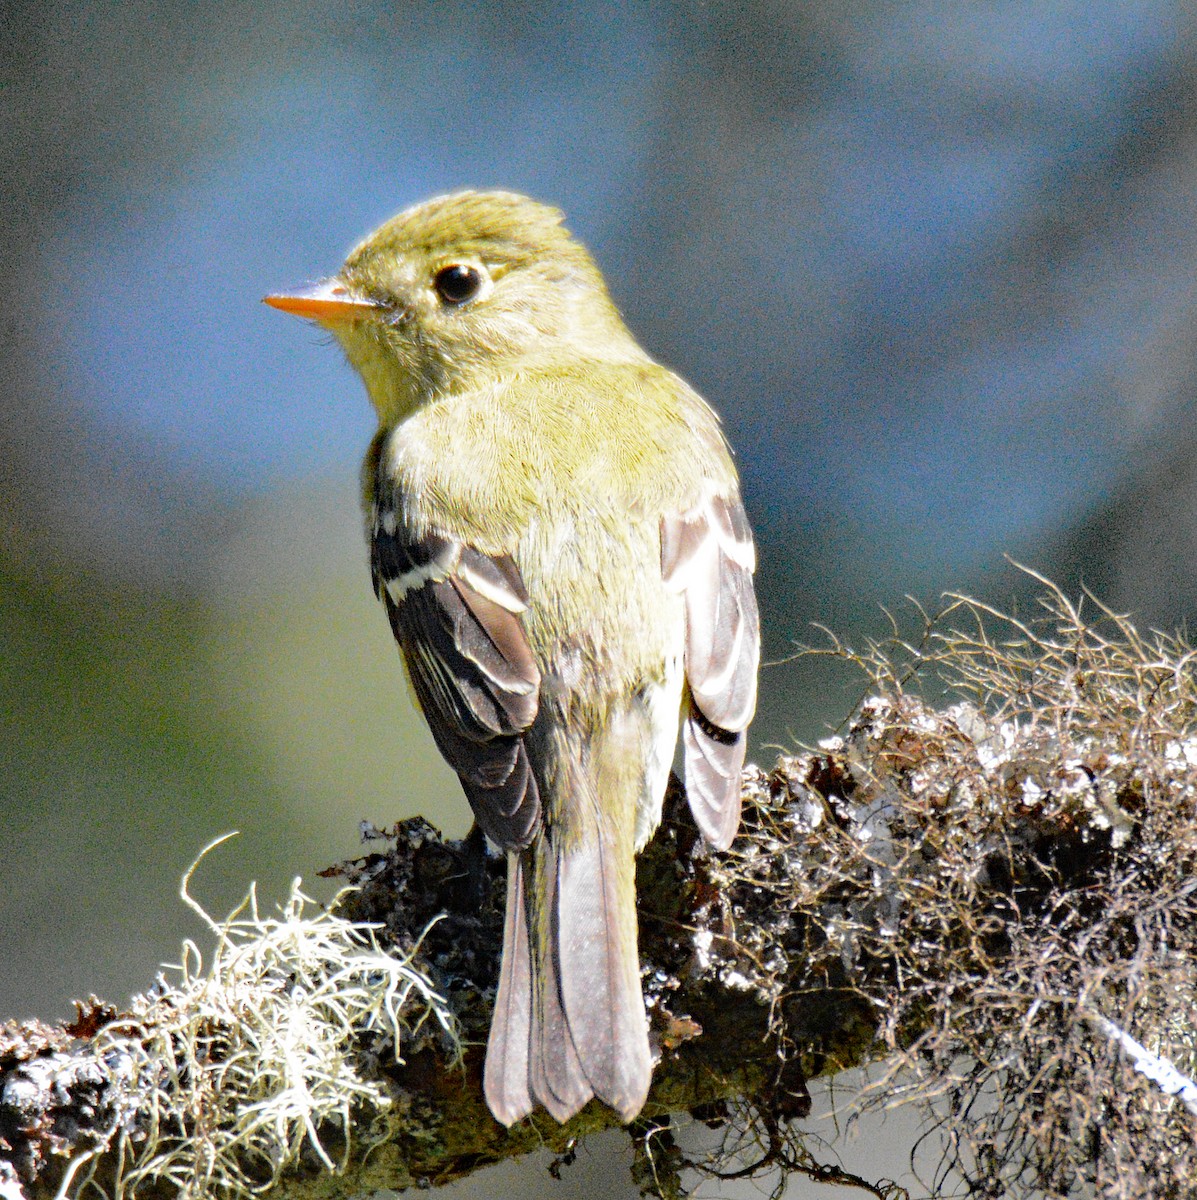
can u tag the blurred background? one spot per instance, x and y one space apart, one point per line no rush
934 262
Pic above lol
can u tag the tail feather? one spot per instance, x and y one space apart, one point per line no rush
505 1078
569 1018
599 968
556 1076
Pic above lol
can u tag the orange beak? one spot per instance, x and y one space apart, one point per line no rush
329 300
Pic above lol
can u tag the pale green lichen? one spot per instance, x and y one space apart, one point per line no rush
230 1073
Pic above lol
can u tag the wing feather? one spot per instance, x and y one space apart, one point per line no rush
707 555
455 614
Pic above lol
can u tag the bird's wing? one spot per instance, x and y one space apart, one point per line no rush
707 555
456 616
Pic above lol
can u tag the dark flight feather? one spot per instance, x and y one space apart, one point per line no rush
455 614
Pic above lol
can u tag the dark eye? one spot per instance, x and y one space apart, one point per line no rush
458 283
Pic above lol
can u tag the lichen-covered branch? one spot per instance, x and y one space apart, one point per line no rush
989 891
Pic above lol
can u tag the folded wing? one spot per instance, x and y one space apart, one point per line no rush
707 555
455 613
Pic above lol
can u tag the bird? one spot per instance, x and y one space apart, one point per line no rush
557 535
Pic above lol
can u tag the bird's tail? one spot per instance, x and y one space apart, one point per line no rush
569 1018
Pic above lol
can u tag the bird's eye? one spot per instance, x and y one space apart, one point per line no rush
458 283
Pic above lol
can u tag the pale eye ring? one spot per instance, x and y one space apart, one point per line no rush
458 283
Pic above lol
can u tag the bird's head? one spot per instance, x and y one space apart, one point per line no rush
461 291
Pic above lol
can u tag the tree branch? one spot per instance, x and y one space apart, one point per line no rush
971 896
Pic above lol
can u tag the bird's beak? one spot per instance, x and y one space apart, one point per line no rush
329 301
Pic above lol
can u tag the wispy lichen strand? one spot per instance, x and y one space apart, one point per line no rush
236 1068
